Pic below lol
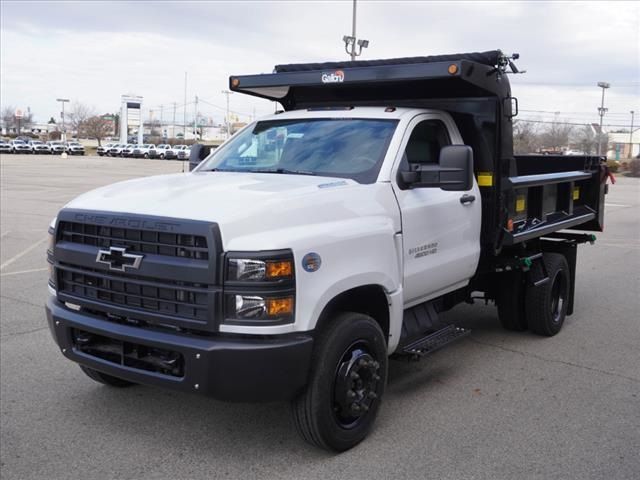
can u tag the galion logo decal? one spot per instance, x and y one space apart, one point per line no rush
333 77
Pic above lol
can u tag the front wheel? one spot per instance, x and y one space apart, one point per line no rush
547 303
162 156
339 406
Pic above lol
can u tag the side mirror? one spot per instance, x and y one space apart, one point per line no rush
456 162
453 172
198 153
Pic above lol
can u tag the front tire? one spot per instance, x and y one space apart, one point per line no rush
547 304
105 379
339 406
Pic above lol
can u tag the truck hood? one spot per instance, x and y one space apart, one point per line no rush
243 204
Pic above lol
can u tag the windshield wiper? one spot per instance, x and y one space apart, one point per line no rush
282 170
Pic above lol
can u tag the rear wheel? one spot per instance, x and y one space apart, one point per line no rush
349 371
146 155
105 379
547 304
162 156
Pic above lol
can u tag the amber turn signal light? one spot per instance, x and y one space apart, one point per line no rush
279 306
279 269
453 69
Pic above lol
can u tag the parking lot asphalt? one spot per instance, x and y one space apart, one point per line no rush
495 405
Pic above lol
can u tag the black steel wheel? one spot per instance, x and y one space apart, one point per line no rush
105 379
547 304
339 406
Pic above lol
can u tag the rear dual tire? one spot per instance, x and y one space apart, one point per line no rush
541 309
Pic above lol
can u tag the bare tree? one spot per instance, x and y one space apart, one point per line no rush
556 135
526 138
78 116
9 119
586 140
96 127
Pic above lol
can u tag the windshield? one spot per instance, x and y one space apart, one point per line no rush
74 144
347 148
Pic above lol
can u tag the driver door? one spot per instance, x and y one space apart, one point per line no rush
441 235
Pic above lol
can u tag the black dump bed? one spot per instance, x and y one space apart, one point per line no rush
523 197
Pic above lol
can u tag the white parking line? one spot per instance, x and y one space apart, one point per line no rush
19 272
22 253
616 205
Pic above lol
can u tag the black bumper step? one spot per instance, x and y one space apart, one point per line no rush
435 341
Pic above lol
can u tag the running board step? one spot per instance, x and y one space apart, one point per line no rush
435 341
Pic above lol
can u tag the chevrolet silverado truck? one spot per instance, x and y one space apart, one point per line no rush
319 242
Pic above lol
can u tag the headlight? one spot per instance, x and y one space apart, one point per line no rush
259 288
50 247
260 269
262 309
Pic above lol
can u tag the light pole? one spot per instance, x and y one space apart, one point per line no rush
631 136
601 112
350 41
227 93
64 132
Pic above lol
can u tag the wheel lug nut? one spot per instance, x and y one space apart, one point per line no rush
355 407
372 395
354 376
362 362
365 408
375 365
351 394
376 377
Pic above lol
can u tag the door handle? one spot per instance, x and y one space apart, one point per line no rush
467 199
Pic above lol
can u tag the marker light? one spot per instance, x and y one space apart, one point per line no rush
453 69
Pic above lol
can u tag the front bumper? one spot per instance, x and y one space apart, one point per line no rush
225 367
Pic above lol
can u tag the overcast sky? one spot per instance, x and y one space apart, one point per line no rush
94 52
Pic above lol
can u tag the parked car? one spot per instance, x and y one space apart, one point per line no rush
56 147
39 147
19 146
127 151
159 151
116 150
173 152
142 151
104 149
74 148
183 153
5 147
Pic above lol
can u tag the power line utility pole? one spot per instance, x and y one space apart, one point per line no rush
631 136
195 119
601 112
227 93
173 125
184 117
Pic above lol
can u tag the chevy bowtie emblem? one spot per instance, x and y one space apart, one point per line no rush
118 259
